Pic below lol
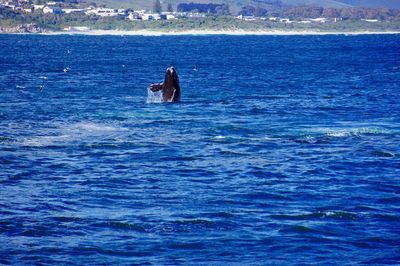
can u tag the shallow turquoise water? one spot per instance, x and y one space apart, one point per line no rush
284 150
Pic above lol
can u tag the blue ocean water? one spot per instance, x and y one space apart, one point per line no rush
284 150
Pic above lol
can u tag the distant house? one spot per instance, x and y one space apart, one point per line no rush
122 12
142 15
196 15
140 12
285 20
38 7
52 10
73 10
170 16
134 16
79 28
319 20
304 22
371 20
167 15
151 17
246 18
102 12
147 17
10 6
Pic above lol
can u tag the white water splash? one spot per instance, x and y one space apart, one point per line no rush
153 97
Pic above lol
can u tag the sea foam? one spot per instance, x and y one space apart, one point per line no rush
153 97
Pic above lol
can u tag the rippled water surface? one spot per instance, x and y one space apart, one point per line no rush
284 150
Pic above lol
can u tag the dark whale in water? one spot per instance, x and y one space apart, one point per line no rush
171 92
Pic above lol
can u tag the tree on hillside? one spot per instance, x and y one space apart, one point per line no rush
223 10
303 12
379 13
247 11
259 11
169 7
331 13
352 13
157 6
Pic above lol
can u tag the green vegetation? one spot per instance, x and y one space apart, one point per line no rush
157 7
53 22
229 23
218 18
235 5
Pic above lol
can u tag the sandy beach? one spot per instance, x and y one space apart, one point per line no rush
212 32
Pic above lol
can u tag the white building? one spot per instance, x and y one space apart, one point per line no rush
47 10
371 20
78 28
151 17
246 18
52 10
140 12
102 12
11 6
319 20
285 20
168 15
73 10
38 7
134 16
122 12
196 15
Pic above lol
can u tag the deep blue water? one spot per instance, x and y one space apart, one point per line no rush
284 150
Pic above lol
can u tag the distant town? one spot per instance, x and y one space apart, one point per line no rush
42 14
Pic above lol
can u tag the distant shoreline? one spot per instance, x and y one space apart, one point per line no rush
214 32
204 32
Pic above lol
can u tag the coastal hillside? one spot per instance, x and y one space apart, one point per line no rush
373 3
236 5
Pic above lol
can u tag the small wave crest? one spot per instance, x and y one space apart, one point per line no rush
356 132
317 135
237 139
336 215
